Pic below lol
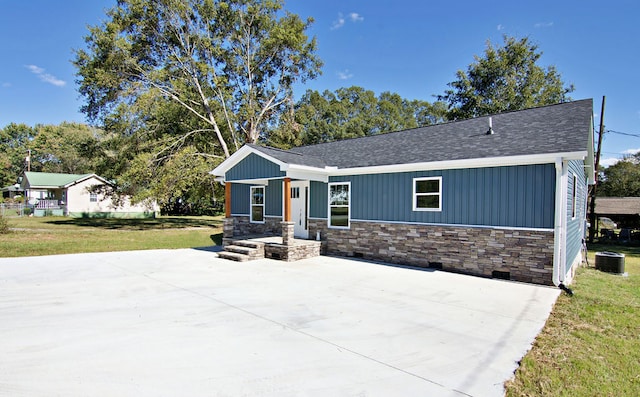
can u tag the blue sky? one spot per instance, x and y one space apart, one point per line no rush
411 47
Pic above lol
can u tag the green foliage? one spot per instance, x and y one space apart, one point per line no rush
14 142
230 65
354 112
180 85
71 148
506 78
622 179
181 182
66 148
4 225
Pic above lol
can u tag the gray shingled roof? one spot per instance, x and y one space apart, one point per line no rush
544 130
290 157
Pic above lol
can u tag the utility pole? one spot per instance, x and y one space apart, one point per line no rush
594 188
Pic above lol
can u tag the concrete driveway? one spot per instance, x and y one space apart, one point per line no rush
184 323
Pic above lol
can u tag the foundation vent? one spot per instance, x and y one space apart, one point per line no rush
435 265
501 275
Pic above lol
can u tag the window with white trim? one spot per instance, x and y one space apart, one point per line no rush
339 204
427 193
257 204
93 197
574 197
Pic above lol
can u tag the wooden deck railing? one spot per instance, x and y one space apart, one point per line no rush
47 204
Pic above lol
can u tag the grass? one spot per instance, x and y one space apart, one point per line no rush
590 345
32 236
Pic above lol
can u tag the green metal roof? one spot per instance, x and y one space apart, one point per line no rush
50 179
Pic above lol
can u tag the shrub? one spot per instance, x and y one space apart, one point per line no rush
4 225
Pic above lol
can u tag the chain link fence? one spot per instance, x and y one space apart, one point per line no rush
13 210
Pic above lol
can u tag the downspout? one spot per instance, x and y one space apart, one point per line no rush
559 235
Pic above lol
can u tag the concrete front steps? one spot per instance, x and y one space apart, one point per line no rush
242 251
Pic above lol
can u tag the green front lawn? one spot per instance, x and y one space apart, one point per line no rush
590 345
31 236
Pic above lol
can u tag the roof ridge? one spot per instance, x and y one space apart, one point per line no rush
57 173
445 123
275 148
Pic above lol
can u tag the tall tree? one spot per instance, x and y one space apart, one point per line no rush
230 64
622 179
67 148
14 143
352 112
505 78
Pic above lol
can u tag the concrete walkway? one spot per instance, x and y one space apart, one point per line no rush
184 323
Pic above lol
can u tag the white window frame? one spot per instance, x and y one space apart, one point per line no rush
414 196
251 204
574 197
329 205
93 197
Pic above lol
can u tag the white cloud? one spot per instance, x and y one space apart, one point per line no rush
608 161
6 84
355 17
345 75
543 25
337 24
34 69
500 27
631 151
46 77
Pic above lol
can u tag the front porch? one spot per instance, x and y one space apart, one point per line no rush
264 233
247 248
48 207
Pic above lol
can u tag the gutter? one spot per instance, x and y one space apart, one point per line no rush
560 236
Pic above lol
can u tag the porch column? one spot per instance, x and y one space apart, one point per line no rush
287 225
287 199
287 233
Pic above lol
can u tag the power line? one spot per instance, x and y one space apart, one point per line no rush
623 133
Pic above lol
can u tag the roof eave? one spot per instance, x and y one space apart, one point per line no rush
464 163
84 178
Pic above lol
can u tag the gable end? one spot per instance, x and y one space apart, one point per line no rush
254 167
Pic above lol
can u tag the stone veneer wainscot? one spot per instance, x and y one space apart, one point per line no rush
270 227
525 254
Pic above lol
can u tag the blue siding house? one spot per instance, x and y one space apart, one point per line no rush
495 196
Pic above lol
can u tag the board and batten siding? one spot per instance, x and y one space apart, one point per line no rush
253 167
575 225
318 200
510 196
241 198
273 198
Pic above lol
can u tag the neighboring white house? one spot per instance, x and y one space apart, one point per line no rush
76 195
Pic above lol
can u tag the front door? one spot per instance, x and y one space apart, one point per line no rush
300 208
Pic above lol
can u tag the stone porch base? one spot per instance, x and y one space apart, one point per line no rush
274 248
